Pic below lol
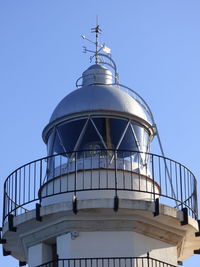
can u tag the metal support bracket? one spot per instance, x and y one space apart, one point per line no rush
197 251
10 223
185 216
198 233
157 207
37 212
6 252
74 205
22 263
2 241
116 203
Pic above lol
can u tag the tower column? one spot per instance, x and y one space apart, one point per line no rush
39 254
113 244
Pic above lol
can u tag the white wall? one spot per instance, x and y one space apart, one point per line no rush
39 254
114 244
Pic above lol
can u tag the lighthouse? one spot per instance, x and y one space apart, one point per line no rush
101 197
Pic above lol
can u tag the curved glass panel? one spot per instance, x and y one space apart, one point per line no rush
66 137
90 139
50 143
93 138
128 142
111 130
142 137
96 134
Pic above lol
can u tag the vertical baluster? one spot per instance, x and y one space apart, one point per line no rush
29 182
16 193
68 170
148 259
152 166
40 179
99 172
188 189
5 212
53 178
91 172
107 161
116 185
131 161
20 186
61 174
84 170
75 180
24 187
176 178
12 192
159 172
170 170
139 176
35 180
181 186
185 186
123 169
166 181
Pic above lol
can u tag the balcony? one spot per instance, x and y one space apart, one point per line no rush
108 262
100 174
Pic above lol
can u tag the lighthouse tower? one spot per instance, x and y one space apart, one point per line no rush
101 198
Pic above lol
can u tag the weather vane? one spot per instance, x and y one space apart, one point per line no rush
98 47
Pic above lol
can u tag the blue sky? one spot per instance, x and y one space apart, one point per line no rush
154 43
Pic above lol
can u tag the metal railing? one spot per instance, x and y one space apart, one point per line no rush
108 262
90 171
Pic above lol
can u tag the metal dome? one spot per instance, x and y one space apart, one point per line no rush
97 98
97 95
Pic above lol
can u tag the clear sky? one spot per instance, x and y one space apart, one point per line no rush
156 45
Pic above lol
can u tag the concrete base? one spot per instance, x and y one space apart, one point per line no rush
94 182
133 216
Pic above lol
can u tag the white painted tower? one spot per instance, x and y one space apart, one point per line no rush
100 198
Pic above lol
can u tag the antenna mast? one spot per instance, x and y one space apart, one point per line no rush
98 31
101 53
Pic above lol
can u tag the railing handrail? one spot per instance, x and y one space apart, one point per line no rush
88 150
13 181
107 258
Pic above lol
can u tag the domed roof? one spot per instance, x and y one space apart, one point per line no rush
97 98
96 66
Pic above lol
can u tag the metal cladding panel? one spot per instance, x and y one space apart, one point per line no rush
97 98
97 74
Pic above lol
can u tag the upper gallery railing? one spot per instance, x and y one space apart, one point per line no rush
88 171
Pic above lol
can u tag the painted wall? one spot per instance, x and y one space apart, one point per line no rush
114 244
39 254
